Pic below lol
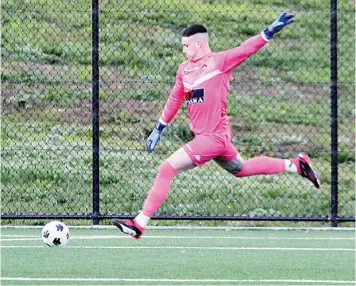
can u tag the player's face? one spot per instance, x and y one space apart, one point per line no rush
190 47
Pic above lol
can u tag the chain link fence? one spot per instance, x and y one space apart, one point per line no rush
279 105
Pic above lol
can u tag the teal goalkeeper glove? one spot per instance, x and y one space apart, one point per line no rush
154 137
284 19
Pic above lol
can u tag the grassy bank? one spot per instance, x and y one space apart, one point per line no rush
279 106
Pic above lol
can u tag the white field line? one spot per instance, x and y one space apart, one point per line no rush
10 237
227 228
190 248
143 280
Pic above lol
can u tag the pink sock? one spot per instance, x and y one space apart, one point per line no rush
262 165
159 191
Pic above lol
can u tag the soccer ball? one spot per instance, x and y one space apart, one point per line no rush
55 233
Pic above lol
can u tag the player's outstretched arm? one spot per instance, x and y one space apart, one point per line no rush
236 56
284 19
154 137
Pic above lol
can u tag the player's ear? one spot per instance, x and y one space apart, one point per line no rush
199 44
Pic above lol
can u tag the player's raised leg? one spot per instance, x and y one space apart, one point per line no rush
170 168
266 165
231 161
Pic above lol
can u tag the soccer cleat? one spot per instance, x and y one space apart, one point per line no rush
305 169
129 227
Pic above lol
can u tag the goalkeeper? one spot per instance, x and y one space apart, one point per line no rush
202 81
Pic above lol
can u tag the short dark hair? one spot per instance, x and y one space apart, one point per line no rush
194 29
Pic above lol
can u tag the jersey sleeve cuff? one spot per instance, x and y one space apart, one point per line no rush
162 122
264 36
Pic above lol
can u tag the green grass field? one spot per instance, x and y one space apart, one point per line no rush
180 257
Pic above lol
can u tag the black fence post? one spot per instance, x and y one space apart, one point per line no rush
95 109
334 107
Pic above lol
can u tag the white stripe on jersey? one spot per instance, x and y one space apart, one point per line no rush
202 79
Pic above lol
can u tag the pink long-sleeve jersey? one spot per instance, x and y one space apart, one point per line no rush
204 86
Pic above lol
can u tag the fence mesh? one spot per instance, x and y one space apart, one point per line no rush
279 105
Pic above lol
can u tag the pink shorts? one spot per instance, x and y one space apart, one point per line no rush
206 147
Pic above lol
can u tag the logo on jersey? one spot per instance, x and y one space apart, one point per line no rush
195 96
197 157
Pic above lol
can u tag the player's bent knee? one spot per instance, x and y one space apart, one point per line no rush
234 166
237 168
167 170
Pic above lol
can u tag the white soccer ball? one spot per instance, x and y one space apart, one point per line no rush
55 233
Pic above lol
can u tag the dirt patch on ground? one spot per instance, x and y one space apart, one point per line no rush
245 81
16 96
124 111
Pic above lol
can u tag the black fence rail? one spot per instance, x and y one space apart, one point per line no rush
83 84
